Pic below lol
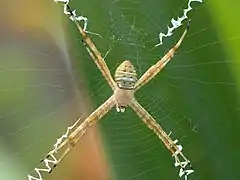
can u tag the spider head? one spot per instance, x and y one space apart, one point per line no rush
126 76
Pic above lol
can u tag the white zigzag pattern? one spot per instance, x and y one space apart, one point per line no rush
64 136
181 164
176 23
74 17
54 161
48 169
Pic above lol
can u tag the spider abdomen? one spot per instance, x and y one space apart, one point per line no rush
126 76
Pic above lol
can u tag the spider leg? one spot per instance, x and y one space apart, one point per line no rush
71 144
74 137
176 150
155 69
95 54
50 160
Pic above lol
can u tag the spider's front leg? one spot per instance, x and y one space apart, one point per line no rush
155 69
91 48
176 150
93 51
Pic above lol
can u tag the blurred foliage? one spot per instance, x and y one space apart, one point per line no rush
196 97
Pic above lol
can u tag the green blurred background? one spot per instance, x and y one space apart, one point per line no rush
48 81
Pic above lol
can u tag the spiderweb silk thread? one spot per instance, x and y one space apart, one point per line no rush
72 15
47 163
54 160
176 23
51 159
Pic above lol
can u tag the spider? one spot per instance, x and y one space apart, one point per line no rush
124 85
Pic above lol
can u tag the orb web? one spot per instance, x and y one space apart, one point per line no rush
195 98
